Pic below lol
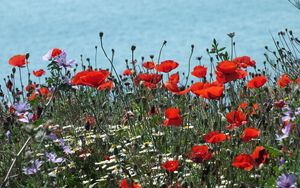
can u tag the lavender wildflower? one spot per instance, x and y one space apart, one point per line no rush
21 107
52 136
286 181
289 115
285 131
34 168
62 143
26 117
67 150
61 60
54 159
281 161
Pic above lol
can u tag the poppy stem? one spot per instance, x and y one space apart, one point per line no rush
160 51
28 72
110 60
21 80
189 65
96 47
231 56
112 65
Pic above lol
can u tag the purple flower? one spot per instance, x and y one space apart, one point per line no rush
281 161
25 118
61 142
21 107
289 115
34 168
286 181
52 136
67 150
61 60
54 159
285 131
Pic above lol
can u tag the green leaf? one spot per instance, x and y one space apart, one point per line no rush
38 122
273 151
271 182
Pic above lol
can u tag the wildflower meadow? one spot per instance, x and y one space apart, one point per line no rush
226 122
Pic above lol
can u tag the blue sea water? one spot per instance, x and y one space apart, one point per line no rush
73 25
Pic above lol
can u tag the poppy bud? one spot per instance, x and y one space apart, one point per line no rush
27 55
231 35
165 42
14 70
101 34
133 48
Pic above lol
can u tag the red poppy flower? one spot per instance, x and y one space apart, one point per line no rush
172 117
214 137
236 119
90 78
95 79
284 81
148 79
228 77
260 155
208 90
126 183
149 65
199 71
248 109
38 73
11 109
170 165
127 72
31 87
227 67
18 61
44 91
55 52
250 133
52 54
243 106
257 82
106 85
166 66
244 61
32 96
172 86
174 78
297 80
200 153
243 161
